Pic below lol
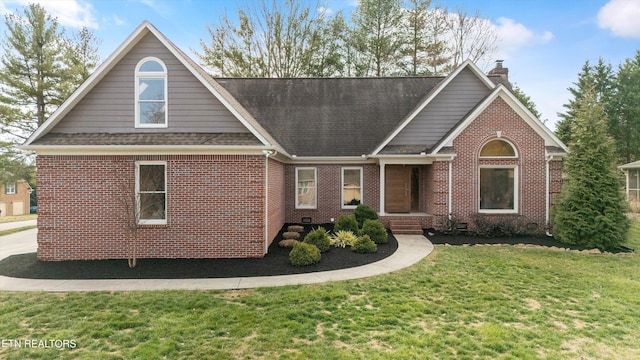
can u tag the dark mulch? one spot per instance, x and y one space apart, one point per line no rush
276 262
438 238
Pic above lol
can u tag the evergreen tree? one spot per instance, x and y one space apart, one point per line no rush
601 79
526 101
624 123
591 209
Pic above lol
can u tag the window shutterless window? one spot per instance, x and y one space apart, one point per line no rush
10 188
151 192
151 93
306 189
351 187
498 189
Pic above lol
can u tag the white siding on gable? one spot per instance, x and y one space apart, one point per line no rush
109 106
443 112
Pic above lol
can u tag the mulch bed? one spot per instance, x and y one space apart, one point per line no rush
438 238
276 262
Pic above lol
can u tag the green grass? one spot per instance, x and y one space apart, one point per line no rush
480 302
13 231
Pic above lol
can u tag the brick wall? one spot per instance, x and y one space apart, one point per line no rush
329 201
531 164
215 208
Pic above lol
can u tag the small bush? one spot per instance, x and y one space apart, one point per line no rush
375 230
291 235
343 238
347 223
319 238
295 228
364 244
304 254
363 212
287 243
498 227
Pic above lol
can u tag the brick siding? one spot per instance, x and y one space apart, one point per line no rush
215 208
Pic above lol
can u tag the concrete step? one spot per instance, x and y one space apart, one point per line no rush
405 227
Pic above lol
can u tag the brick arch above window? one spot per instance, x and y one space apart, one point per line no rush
498 148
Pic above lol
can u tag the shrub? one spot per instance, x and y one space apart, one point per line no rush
363 212
295 228
304 254
287 243
343 238
364 244
319 238
375 230
485 226
347 223
291 235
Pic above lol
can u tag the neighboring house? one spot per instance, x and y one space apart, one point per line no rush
15 198
632 175
219 165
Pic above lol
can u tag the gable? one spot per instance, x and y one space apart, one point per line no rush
518 111
109 106
443 112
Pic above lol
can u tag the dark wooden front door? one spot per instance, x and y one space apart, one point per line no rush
397 189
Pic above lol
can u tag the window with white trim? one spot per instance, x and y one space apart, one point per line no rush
151 192
10 188
351 187
151 94
498 189
634 186
498 184
306 188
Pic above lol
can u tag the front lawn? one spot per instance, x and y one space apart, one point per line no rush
4 219
485 302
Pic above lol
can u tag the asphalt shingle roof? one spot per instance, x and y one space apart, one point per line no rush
149 139
330 116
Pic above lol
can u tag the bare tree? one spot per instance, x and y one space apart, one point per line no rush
129 210
469 38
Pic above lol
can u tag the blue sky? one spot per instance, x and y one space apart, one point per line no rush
544 42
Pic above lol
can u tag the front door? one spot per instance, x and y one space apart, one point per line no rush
398 189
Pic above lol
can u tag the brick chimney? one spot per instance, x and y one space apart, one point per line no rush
501 71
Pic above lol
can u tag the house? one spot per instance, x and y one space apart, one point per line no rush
632 175
215 167
15 198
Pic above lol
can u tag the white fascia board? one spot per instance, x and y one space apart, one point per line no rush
517 106
146 150
633 165
439 88
91 81
413 159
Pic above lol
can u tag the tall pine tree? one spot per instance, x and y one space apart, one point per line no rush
624 123
591 209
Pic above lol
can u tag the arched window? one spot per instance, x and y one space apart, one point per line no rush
151 93
497 148
499 178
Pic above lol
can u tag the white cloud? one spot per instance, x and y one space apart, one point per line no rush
325 11
163 9
621 17
70 13
513 36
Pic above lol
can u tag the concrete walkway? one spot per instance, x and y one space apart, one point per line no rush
411 249
17 224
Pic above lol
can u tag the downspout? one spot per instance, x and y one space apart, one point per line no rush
266 153
450 206
547 198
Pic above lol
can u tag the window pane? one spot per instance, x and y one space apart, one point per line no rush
151 66
497 148
351 187
306 188
152 178
151 89
634 182
152 112
152 206
497 189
